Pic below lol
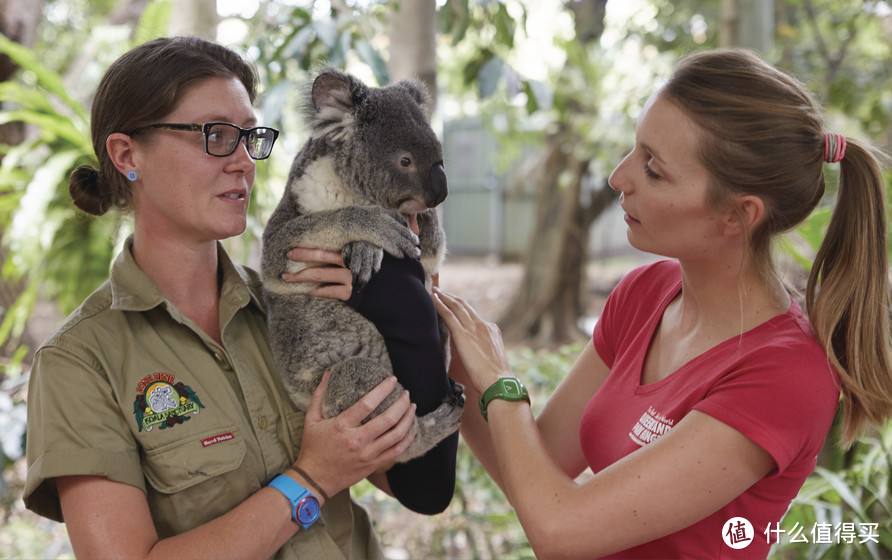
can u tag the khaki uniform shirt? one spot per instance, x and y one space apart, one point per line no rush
132 390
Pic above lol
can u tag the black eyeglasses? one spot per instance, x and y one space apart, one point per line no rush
222 138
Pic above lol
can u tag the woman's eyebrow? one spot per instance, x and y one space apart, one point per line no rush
652 152
248 122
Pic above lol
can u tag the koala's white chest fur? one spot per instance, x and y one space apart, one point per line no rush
320 188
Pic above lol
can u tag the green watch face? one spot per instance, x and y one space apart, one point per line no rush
507 388
511 387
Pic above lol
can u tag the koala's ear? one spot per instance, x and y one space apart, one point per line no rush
332 104
417 91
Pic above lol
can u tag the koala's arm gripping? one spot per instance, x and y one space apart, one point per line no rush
332 230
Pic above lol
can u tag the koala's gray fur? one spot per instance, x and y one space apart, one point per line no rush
345 192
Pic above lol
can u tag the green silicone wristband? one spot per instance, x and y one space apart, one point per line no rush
506 388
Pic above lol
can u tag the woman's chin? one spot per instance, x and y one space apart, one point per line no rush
230 228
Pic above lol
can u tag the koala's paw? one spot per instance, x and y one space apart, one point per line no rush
396 237
434 427
457 396
363 259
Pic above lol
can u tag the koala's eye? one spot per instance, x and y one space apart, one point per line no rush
405 162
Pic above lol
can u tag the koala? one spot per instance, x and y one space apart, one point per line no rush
366 182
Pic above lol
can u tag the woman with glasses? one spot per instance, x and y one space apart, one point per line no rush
157 426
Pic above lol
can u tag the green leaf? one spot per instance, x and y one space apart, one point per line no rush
471 70
504 27
154 22
458 21
46 78
801 259
370 56
57 125
532 101
814 227
18 313
25 97
843 489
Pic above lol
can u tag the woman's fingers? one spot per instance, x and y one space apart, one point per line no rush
458 308
390 456
342 293
334 282
387 419
322 275
309 255
369 402
403 428
446 312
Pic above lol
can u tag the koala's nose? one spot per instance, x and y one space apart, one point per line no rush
437 191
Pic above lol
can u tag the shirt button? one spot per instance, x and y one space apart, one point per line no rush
221 359
262 422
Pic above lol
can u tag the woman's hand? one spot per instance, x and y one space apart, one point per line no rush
325 268
478 342
340 451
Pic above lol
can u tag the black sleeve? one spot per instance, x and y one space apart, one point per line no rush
397 303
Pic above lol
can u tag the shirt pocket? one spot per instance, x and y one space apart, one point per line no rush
195 479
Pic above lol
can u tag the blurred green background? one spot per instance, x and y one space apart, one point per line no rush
536 101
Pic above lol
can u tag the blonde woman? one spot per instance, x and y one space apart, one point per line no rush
707 392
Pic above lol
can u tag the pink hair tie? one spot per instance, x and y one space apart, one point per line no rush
834 147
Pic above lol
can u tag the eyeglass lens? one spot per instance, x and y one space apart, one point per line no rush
222 140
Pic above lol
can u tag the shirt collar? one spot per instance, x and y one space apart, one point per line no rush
133 290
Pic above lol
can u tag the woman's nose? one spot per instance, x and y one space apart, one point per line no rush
240 158
617 179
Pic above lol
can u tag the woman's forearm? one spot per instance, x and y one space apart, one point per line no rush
473 428
256 528
107 519
537 488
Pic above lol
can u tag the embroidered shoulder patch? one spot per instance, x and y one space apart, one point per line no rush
163 401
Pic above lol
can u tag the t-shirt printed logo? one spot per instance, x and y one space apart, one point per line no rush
650 427
163 401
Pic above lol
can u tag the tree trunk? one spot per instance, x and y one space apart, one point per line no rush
413 47
18 22
547 305
747 23
127 12
195 17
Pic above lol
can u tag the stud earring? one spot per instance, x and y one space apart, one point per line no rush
132 175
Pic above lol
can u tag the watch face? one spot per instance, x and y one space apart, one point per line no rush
308 510
511 386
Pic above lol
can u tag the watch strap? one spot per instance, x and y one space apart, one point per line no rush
506 388
295 494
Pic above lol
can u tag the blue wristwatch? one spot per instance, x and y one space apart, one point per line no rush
304 506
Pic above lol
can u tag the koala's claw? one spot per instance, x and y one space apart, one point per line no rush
363 259
398 239
457 396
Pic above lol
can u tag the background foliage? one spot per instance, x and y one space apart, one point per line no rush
579 97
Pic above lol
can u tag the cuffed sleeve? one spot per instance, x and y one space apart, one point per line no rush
75 427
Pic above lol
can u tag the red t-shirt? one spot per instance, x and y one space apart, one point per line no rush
773 384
